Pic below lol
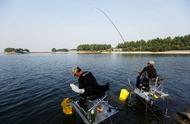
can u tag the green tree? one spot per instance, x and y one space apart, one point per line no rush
93 47
16 50
9 49
53 50
158 44
62 50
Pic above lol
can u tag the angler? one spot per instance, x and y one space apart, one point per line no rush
88 86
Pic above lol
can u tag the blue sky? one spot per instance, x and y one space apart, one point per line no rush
42 24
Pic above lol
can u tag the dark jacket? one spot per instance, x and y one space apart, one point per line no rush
90 85
151 72
88 82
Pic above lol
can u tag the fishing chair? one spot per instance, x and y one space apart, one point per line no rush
99 97
157 81
100 92
156 88
98 100
94 103
152 83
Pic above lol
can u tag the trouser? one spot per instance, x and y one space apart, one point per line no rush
139 82
142 82
83 102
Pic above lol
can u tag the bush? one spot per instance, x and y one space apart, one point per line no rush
93 47
158 44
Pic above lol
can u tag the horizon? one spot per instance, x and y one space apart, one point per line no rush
43 25
90 44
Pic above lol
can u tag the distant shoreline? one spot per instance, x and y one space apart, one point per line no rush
187 52
135 52
149 52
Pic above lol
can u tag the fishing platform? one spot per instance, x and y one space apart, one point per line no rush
102 111
155 91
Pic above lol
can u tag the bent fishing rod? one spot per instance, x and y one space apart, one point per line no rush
111 23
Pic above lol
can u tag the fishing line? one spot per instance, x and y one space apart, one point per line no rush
106 15
111 23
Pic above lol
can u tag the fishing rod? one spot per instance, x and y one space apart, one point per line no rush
106 15
111 23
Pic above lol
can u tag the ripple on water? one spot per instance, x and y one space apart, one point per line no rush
32 86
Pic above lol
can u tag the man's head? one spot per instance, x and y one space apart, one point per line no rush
151 63
77 72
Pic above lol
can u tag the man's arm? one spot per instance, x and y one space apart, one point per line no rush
145 69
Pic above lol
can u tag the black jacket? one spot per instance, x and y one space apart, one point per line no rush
88 82
151 71
92 89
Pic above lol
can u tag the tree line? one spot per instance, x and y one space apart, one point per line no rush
158 44
93 47
59 50
16 50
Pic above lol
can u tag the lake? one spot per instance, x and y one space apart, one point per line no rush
32 86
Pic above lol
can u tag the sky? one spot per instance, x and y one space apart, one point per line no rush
41 25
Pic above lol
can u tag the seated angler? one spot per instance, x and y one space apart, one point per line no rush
88 86
148 73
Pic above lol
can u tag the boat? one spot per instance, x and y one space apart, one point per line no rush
99 111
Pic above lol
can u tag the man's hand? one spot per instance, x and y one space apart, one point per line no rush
73 86
76 89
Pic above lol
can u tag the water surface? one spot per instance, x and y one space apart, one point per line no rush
32 86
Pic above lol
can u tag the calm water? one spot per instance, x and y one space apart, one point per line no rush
32 86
